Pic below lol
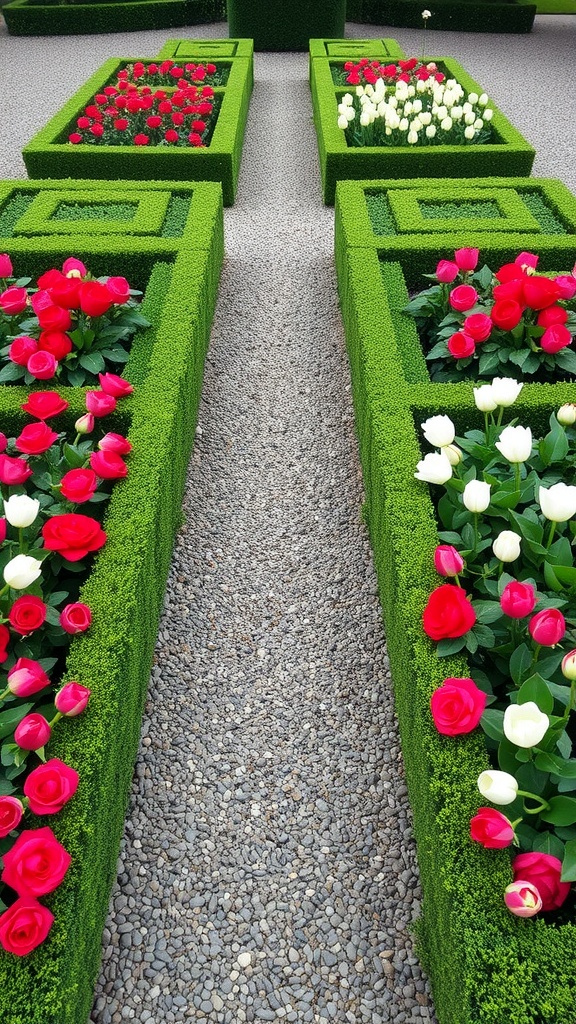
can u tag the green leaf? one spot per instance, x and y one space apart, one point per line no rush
547 842
447 647
529 529
566 359
562 811
12 371
73 458
569 862
520 663
484 636
536 689
93 362
10 718
550 578
76 378
492 723
487 611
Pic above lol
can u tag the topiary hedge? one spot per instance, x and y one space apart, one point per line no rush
455 15
277 25
179 273
74 17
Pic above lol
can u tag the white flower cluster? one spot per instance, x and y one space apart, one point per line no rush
417 112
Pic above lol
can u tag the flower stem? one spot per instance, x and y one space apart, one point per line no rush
551 534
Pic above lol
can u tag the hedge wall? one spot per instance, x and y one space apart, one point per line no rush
277 25
180 274
455 15
32 18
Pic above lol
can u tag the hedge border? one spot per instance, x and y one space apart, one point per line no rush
409 219
511 156
208 49
54 985
47 156
24 18
471 16
276 25
149 215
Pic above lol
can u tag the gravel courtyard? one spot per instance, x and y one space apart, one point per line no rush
267 871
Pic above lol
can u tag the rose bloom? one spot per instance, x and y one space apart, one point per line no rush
119 289
78 485
54 318
13 300
547 627
522 899
539 292
542 870
65 292
99 403
552 315
95 299
466 259
114 385
457 706
567 285
24 926
141 139
491 828
27 614
32 733
518 599
73 535
448 613
26 677
13 471
50 786
108 465
478 326
75 618
21 349
56 343
4 641
36 864
11 811
506 314
460 345
35 438
555 338
72 699
42 366
44 404
115 443
5 265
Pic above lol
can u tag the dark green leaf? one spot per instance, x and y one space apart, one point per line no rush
536 689
569 862
562 811
492 723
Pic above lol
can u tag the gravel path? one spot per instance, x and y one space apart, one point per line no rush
267 871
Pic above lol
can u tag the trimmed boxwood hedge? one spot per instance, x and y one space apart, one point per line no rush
54 984
486 966
52 17
277 25
50 155
207 49
511 154
455 15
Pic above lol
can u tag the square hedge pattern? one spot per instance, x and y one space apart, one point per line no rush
177 265
510 154
52 17
50 155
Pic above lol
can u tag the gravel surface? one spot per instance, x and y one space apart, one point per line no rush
267 871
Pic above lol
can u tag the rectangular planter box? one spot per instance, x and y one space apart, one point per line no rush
33 18
50 155
178 266
207 49
375 269
509 155
353 49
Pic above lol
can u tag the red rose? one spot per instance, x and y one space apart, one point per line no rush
478 326
194 139
547 627
457 706
22 348
37 862
506 314
35 438
542 870
24 926
4 641
154 121
97 130
27 614
50 278
95 299
83 122
567 285
171 135
13 300
66 292
119 289
448 613
555 338
141 139
539 292
509 290
115 443
510 272
74 138
446 271
463 297
44 404
54 318
5 265
492 829
50 786
32 733
99 403
121 124
56 343
42 299
73 535
108 465
114 385
27 677
552 315
466 259
72 699
75 618
78 485
460 345
518 599
13 471
42 365
11 811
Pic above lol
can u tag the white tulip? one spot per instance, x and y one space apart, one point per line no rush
469 117
524 724
416 125
484 398
412 138
393 102
453 453
506 390
425 117
558 502
434 468
488 114
515 443
498 787
21 571
472 97
20 510
456 113
403 126
431 131
506 547
439 431
441 113
360 91
343 122
411 90
482 100
407 108
365 118
469 132
347 99
446 124
420 86
566 414
417 106
476 496
478 124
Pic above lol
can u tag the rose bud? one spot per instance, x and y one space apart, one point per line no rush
466 259
32 733
518 599
11 811
522 899
446 271
566 414
75 618
114 385
21 571
3 529
525 725
569 665
119 444
72 699
84 424
27 677
506 547
99 403
547 627
5 265
24 926
492 829
447 560
453 453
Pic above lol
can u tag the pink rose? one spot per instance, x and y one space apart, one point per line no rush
114 385
22 348
11 811
13 300
26 677
522 899
72 699
36 864
547 627
24 926
75 618
42 365
32 733
555 338
478 326
50 786
447 560
13 471
457 706
119 289
463 297
466 259
99 403
446 271
518 599
108 465
492 829
115 443
5 265
543 871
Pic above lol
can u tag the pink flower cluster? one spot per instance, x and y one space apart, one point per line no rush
366 72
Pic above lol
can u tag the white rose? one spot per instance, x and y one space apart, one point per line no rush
558 503
434 468
506 547
22 570
498 787
476 496
524 724
439 431
484 398
506 390
20 510
515 443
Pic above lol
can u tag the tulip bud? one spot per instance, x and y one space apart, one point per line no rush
566 414
439 431
26 677
32 733
569 665
506 547
434 468
524 724
522 899
498 787
84 424
476 496
20 510
21 571
72 699
484 398
447 560
515 443
467 259
492 829
547 627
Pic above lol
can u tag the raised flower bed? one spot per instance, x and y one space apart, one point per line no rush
507 152
202 146
52 17
177 266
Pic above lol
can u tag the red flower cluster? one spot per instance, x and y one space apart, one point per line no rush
168 72
366 72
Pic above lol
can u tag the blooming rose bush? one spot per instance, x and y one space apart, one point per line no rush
412 104
136 112
478 322
507 521
69 327
47 535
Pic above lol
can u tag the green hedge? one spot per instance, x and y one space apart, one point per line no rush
33 18
486 966
207 49
54 984
50 155
277 25
509 155
455 15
